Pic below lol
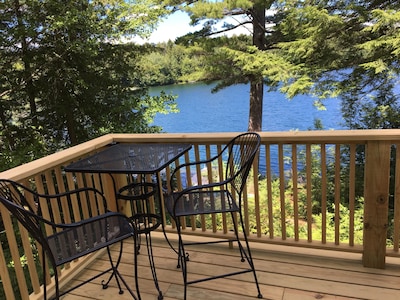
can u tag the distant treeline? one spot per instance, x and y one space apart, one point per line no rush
169 63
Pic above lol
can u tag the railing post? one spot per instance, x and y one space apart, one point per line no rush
109 191
376 196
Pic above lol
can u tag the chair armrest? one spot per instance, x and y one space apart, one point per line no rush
205 161
95 192
94 219
80 223
201 187
189 164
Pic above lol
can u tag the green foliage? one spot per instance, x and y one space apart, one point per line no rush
385 48
297 212
291 215
170 63
23 260
348 49
344 225
378 109
66 77
211 10
317 215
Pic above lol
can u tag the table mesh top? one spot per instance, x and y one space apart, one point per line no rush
130 158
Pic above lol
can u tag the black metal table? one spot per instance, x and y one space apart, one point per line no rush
138 161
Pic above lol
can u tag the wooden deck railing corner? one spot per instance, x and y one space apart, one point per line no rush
304 191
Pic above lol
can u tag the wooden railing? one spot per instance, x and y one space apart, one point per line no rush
336 190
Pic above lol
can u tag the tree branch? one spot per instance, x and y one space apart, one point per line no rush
228 29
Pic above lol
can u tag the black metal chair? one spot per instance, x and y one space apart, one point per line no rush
68 226
224 196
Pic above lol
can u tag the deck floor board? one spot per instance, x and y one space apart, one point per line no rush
284 274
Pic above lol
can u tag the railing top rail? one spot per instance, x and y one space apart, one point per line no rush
323 136
42 164
271 137
332 136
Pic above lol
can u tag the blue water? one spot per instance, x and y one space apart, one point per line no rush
227 110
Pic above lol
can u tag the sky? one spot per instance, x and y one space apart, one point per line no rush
174 26
177 25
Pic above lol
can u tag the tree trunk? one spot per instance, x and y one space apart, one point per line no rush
70 121
256 103
257 82
26 58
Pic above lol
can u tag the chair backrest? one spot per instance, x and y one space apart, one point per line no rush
241 153
13 198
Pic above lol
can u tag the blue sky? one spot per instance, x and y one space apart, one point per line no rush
177 25
174 26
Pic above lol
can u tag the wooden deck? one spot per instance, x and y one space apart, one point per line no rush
283 272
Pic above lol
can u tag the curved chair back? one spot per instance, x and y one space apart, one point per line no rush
241 153
12 197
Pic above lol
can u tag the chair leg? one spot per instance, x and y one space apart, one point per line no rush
183 258
57 287
181 250
115 273
152 264
167 239
114 268
247 255
44 277
236 231
136 253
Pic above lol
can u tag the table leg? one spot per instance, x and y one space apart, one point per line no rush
152 264
143 213
162 211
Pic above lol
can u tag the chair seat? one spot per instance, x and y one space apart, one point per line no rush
73 243
201 202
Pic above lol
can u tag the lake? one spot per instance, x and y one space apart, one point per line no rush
227 110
